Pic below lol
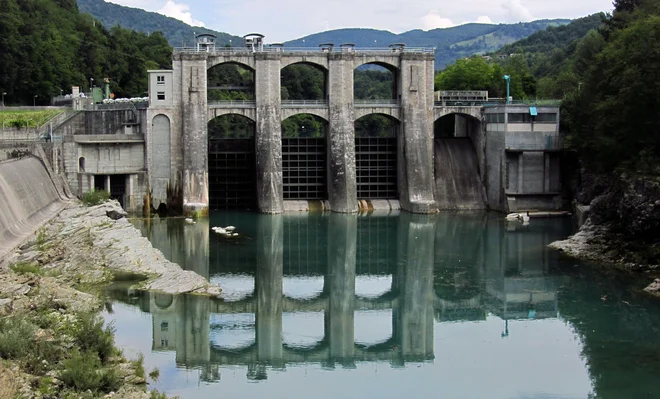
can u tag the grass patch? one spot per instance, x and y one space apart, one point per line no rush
84 371
92 198
154 374
26 267
139 366
22 119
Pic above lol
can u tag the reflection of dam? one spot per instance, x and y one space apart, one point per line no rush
443 268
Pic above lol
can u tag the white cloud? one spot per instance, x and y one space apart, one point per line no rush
179 11
484 19
517 11
434 20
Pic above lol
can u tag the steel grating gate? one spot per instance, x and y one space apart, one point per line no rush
304 168
375 164
232 174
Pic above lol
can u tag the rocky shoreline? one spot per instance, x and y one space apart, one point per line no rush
622 229
59 274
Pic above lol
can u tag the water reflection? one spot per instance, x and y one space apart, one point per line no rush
446 268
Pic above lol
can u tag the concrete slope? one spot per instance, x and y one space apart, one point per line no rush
28 198
457 182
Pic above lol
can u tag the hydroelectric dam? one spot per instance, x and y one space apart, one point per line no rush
440 150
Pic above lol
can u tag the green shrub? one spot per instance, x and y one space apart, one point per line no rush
91 336
139 366
92 198
16 337
83 371
26 267
155 374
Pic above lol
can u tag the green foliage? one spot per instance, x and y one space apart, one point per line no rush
92 336
48 46
138 364
26 268
372 83
92 198
154 374
16 335
478 74
303 82
230 126
376 125
304 125
83 371
230 82
21 119
176 32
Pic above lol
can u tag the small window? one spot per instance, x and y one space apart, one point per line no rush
520 118
161 96
495 118
546 118
160 79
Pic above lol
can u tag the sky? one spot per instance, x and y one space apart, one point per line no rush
291 19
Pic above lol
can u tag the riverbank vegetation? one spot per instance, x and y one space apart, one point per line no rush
25 119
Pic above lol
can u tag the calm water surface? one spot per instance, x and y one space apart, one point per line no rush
407 306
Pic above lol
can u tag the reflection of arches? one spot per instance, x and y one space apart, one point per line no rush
232 162
304 80
163 301
81 164
304 157
376 156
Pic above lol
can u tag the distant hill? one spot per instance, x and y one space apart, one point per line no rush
176 32
450 43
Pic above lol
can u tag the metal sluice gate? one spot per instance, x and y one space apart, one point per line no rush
304 168
375 163
232 174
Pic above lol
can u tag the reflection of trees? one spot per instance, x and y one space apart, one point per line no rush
619 331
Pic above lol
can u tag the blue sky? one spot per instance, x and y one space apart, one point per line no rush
290 19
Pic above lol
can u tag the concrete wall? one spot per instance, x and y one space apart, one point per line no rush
28 197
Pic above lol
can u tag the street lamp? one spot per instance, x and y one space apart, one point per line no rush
34 100
508 83
91 83
3 98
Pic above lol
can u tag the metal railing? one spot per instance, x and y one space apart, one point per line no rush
377 103
233 104
266 49
304 103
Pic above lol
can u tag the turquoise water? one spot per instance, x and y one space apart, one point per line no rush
407 306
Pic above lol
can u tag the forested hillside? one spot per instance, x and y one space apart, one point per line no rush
450 43
178 33
47 46
535 64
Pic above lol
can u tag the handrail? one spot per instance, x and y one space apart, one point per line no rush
266 49
377 102
233 103
298 103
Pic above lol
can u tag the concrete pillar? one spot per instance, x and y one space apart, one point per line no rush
413 316
340 284
521 172
416 161
342 186
269 133
268 286
546 172
195 145
193 344
106 185
91 184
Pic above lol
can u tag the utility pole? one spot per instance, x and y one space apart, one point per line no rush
507 78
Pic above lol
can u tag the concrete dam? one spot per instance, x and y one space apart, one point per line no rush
28 197
185 151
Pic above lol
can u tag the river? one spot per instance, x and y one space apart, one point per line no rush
346 306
